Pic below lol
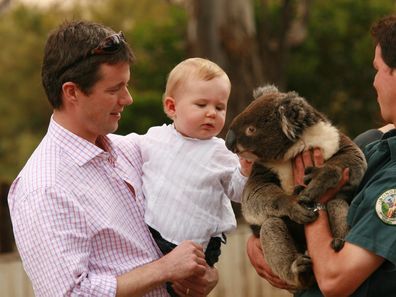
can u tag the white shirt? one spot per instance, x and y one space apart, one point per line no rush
76 223
188 184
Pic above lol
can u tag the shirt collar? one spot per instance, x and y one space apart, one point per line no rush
80 149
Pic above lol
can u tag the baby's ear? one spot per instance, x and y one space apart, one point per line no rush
293 115
169 106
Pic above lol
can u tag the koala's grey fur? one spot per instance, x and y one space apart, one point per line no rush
271 131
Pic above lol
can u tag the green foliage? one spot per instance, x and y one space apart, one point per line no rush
23 111
332 69
156 30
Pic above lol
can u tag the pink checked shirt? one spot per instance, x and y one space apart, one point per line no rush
76 223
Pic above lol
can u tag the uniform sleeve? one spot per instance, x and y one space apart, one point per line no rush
368 229
53 238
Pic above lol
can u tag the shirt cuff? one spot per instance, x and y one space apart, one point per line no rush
100 285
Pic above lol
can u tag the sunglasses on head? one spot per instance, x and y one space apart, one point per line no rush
108 46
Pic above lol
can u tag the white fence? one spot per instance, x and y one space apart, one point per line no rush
237 277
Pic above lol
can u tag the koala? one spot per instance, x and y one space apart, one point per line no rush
271 131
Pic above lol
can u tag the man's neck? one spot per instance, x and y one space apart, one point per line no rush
71 124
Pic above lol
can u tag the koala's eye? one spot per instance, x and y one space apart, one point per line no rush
250 130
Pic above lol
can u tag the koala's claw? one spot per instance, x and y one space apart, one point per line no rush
298 189
305 199
302 269
337 244
302 215
309 170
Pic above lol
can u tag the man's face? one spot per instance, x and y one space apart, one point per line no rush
385 85
98 113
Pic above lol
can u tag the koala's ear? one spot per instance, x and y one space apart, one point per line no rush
264 90
293 114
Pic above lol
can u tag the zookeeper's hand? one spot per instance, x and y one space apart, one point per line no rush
256 257
314 158
199 286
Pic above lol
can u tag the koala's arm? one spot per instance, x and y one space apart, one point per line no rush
263 197
348 156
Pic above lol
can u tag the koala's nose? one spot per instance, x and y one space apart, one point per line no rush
230 140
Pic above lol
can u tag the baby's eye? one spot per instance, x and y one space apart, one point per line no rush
251 130
220 108
200 104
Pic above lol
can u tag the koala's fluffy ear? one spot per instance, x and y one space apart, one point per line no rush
264 90
294 115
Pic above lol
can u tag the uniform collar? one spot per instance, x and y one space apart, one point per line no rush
389 139
80 149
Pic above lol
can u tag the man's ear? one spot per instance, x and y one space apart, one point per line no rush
69 92
170 106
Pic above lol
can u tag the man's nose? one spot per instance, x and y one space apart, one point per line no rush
126 98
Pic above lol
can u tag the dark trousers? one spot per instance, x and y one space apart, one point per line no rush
212 252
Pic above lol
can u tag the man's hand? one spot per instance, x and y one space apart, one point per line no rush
256 257
199 286
186 260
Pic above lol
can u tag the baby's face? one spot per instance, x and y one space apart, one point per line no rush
200 107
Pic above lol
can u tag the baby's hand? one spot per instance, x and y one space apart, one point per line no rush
246 166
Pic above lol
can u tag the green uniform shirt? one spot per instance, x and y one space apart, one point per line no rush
372 221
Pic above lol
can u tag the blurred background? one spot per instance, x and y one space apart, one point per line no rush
321 49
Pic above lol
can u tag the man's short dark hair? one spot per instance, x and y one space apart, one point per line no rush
384 34
66 57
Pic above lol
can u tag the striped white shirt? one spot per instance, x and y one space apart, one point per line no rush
76 223
188 184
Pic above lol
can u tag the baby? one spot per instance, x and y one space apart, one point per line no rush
189 176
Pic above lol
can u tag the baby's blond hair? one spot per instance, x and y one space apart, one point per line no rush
193 67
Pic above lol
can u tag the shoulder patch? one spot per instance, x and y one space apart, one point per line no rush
386 207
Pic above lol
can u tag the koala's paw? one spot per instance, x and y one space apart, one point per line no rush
337 244
301 268
309 173
298 189
301 214
305 199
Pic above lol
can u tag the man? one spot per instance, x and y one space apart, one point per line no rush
366 264
77 207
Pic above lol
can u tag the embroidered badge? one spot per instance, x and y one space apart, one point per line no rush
386 207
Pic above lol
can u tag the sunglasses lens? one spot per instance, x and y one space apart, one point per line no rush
109 45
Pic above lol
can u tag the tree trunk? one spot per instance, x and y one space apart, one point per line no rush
4 4
224 32
252 52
